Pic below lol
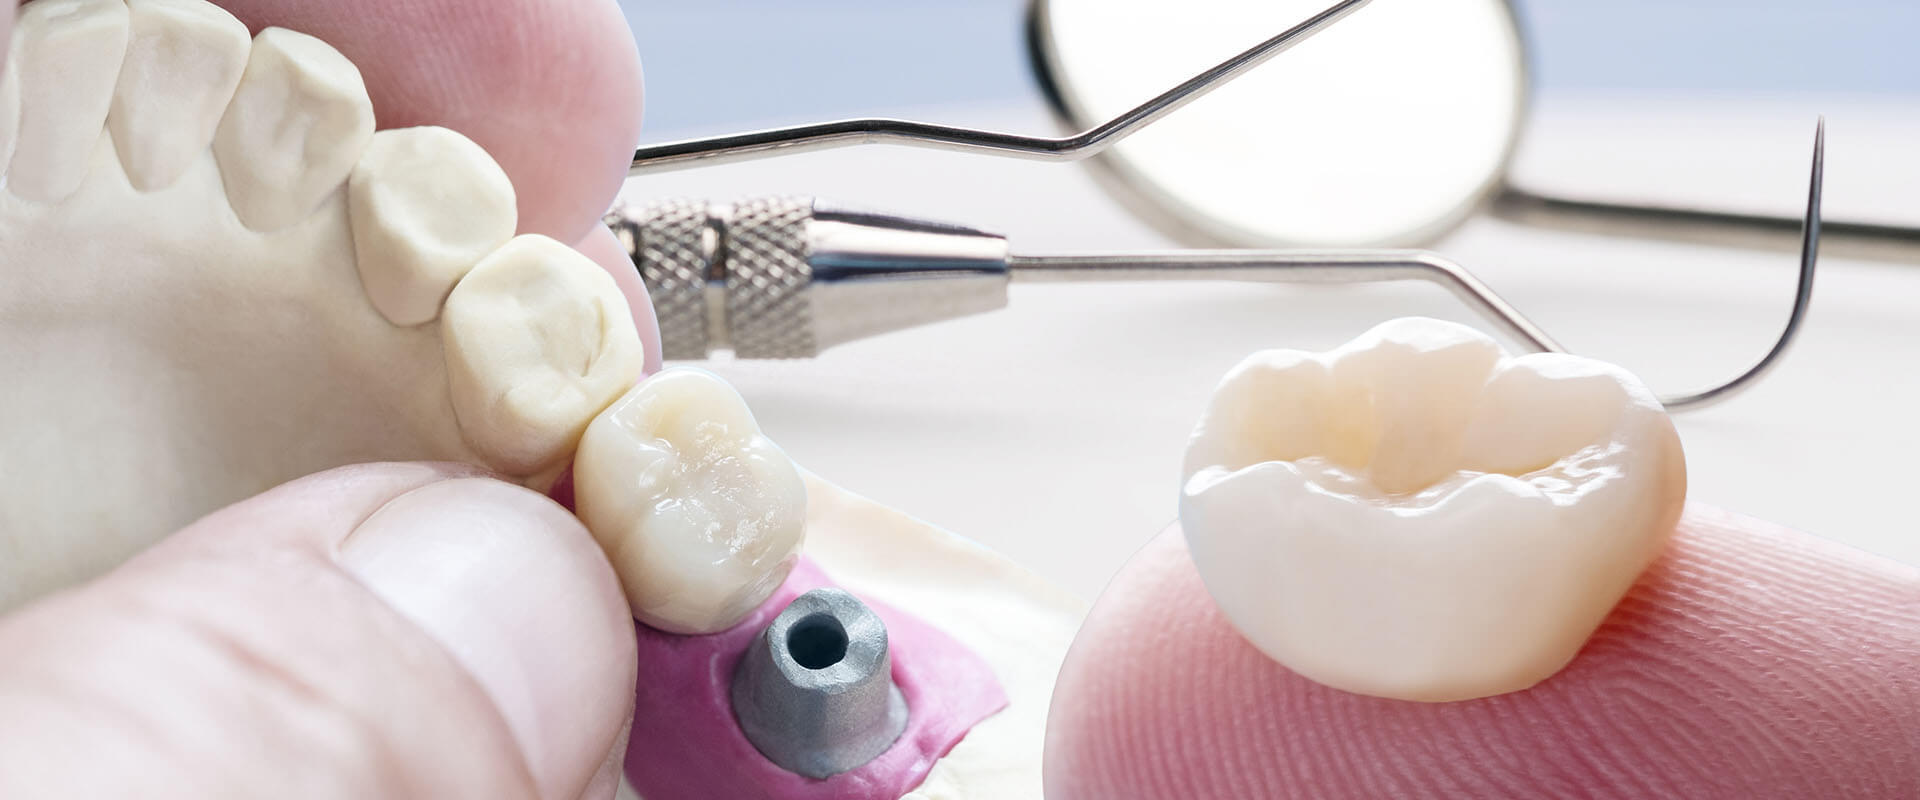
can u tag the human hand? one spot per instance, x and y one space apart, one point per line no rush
377 631
1751 661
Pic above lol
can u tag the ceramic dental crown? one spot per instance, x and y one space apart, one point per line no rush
1415 515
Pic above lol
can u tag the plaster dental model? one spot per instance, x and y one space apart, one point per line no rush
221 278
1416 516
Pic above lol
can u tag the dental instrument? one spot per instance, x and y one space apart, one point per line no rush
788 277
1420 110
1386 164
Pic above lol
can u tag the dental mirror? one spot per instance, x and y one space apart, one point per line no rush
1387 129
1391 128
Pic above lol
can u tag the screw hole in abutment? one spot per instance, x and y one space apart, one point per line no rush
817 641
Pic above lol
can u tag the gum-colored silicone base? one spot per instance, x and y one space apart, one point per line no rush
686 743
1019 624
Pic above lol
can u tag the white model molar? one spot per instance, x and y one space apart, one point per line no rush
701 515
539 340
82 42
193 309
296 126
1417 516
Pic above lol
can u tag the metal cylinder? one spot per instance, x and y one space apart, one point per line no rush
814 692
787 277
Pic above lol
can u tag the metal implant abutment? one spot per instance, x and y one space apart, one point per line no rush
814 692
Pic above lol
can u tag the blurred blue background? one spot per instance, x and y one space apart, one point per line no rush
724 63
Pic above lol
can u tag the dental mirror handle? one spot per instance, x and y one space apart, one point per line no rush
1092 141
1838 238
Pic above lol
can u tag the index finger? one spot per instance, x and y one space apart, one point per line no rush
1750 661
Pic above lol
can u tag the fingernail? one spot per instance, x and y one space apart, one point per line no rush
516 591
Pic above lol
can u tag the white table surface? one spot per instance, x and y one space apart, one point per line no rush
1052 431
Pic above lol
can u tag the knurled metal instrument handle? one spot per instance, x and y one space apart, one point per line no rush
756 251
785 277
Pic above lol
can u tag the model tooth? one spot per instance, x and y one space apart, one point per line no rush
298 122
68 55
538 340
426 204
1415 516
184 60
701 515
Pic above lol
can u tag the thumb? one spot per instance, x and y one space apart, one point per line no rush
1749 662
381 631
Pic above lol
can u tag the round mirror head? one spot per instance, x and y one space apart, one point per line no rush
1387 129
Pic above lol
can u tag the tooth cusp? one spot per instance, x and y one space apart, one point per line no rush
538 340
701 514
1415 516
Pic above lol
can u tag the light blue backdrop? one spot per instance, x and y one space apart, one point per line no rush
724 63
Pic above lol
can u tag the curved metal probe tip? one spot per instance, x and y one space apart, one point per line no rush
820 136
1802 297
1359 266
1291 266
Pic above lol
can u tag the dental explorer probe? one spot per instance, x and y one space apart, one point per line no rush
779 277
